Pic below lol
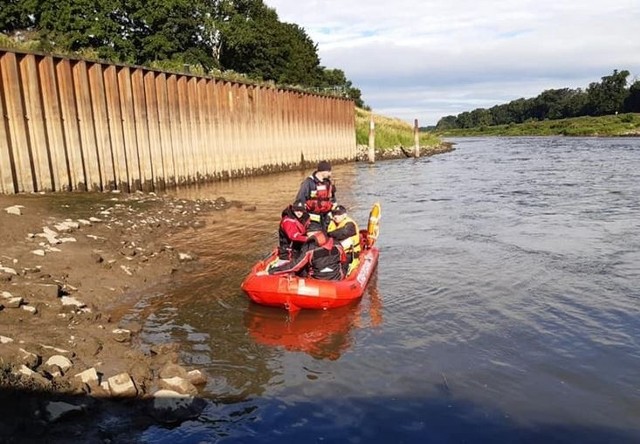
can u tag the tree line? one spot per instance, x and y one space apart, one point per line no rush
610 96
203 36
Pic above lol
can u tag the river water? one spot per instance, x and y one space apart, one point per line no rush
505 308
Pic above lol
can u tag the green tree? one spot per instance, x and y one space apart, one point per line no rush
16 15
481 117
171 30
336 80
632 102
75 25
255 42
465 120
447 122
607 97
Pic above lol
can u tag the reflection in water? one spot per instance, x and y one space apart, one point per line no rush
322 334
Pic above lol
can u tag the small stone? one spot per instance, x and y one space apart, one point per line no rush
38 252
29 359
89 376
59 360
5 340
15 210
67 226
121 335
50 235
13 302
35 377
44 291
185 257
69 300
196 377
30 309
8 270
179 385
122 385
26 371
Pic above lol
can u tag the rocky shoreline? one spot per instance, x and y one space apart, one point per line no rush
401 152
66 261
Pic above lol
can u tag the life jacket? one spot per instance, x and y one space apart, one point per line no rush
327 260
288 249
352 243
320 200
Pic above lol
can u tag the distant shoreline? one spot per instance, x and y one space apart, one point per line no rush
620 125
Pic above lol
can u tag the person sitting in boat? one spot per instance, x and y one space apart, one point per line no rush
345 230
319 195
322 258
292 233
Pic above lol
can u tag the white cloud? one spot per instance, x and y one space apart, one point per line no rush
427 59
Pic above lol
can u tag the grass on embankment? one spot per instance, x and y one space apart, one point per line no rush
614 125
390 132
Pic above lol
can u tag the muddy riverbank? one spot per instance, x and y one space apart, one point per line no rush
69 264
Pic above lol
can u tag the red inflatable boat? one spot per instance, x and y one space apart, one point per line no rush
293 292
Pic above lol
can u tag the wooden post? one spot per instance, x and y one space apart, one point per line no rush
372 140
416 138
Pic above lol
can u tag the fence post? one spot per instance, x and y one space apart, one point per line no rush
416 138
372 140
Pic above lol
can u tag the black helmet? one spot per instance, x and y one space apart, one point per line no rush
337 211
298 205
323 165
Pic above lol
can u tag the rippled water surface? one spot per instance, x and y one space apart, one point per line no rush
505 308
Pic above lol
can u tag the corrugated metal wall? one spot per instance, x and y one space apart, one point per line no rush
78 125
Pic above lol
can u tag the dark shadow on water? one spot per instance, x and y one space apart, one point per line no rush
28 416
368 420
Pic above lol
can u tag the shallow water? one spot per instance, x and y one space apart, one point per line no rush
505 307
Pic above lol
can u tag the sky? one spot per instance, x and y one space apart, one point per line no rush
426 59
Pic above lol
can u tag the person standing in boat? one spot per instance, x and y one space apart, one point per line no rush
319 195
322 258
345 230
292 233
